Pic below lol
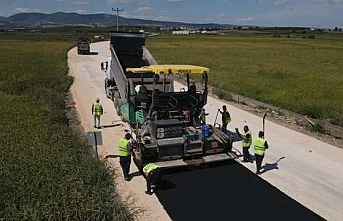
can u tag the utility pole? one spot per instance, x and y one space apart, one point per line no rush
117 10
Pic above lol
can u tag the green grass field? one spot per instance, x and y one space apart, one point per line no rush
47 172
301 75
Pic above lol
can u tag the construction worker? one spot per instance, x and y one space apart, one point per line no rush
246 142
260 146
125 149
226 118
152 173
97 111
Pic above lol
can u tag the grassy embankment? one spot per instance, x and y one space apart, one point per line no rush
301 75
47 172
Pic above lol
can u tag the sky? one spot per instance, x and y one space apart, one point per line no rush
281 13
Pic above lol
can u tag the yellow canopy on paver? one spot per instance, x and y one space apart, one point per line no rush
175 69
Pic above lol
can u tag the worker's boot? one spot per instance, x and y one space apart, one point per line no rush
148 192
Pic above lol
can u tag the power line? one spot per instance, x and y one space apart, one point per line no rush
117 10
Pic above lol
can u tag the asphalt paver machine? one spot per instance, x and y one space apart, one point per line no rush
169 126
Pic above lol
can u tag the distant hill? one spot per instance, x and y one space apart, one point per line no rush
41 20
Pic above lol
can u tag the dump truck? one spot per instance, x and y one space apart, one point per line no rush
169 126
83 46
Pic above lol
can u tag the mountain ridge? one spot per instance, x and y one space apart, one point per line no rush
41 20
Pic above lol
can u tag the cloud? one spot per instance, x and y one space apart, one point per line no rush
164 18
80 11
327 2
81 2
2 2
174 0
23 10
143 10
281 2
274 2
302 14
126 1
245 20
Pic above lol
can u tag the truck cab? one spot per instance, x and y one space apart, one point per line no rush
83 46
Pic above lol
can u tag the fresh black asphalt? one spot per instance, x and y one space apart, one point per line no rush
225 191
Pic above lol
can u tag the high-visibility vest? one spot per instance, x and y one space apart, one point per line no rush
259 146
150 167
226 117
247 143
123 151
97 109
137 88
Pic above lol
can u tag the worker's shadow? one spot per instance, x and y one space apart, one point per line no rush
165 185
271 166
109 126
93 53
111 156
134 174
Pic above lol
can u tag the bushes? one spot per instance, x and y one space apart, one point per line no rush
223 94
46 171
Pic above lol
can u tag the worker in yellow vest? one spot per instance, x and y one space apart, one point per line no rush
153 175
226 118
260 146
246 142
125 149
97 111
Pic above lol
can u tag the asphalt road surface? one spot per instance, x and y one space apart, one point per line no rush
226 191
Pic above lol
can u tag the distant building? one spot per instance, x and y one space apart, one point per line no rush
210 32
180 32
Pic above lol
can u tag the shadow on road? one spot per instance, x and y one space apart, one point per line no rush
137 173
93 53
271 166
111 156
109 126
165 185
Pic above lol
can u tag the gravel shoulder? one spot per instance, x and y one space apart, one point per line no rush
303 167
